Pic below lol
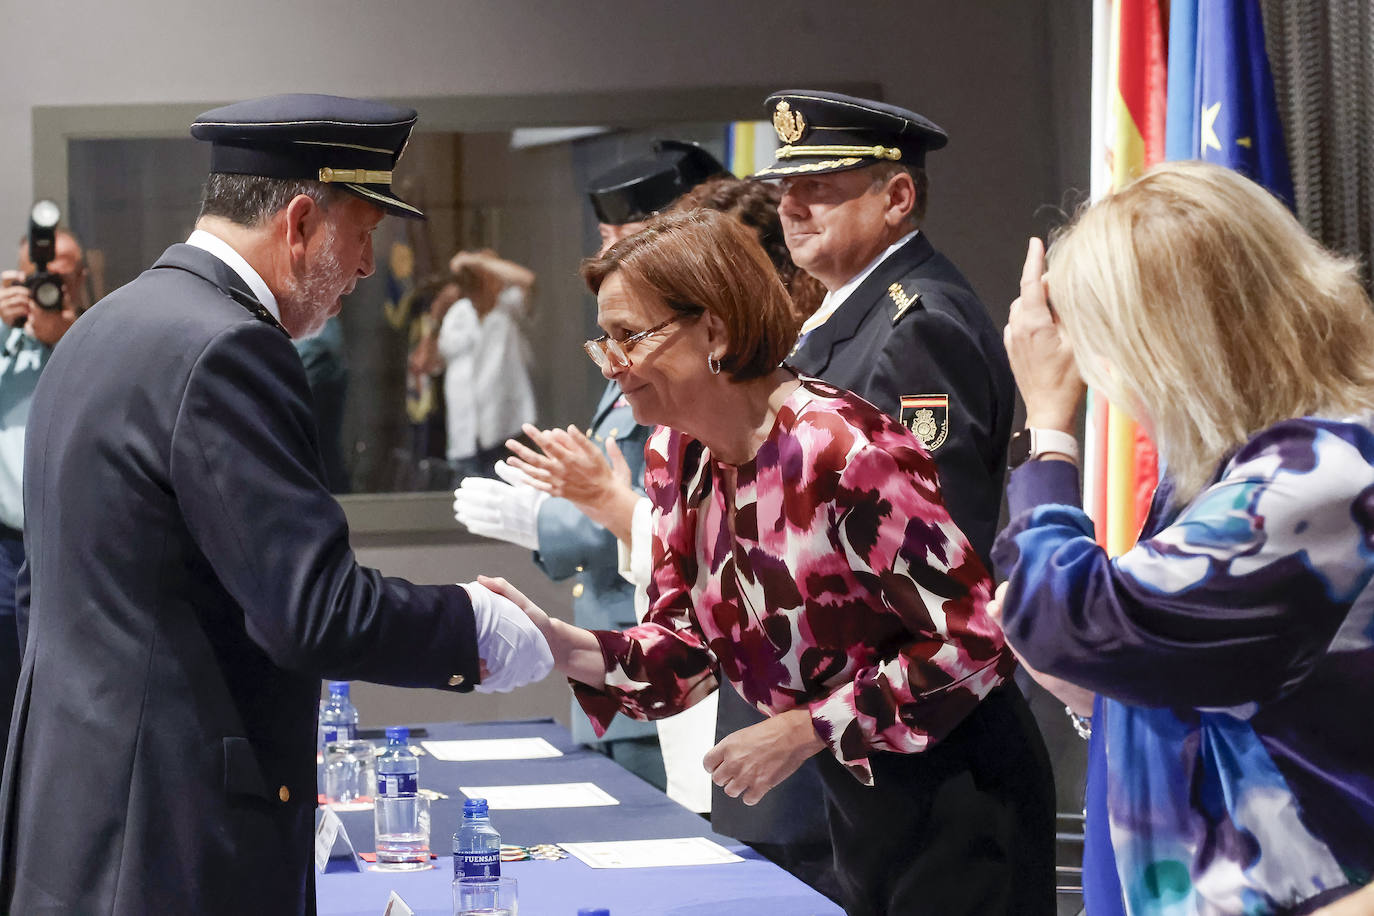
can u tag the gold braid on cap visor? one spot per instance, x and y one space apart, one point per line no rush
355 176
877 152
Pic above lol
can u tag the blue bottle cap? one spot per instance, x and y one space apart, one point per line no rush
398 733
599 911
475 807
338 688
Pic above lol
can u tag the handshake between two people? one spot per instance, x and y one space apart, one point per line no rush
512 648
746 764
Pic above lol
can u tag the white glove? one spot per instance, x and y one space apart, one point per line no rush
505 511
514 650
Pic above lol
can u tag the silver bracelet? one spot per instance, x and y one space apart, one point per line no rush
1083 725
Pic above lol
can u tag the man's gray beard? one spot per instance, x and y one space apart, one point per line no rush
306 295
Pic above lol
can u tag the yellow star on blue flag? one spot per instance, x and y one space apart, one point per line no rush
1221 104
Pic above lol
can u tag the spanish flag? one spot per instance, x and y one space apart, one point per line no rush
1129 108
1187 79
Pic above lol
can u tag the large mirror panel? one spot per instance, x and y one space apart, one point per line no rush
495 175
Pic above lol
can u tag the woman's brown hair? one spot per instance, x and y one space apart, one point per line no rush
755 204
703 260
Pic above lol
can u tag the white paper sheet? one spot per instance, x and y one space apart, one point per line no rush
550 795
692 850
492 749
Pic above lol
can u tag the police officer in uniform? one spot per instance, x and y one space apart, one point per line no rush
899 324
567 543
901 327
189 577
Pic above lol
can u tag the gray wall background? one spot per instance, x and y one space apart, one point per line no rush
1008 80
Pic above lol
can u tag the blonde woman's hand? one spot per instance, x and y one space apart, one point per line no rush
1041 358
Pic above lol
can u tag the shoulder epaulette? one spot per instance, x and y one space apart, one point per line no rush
903 300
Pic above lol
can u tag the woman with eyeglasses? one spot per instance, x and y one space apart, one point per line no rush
802 551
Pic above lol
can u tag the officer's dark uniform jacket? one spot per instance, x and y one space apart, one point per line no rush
914 340
189 583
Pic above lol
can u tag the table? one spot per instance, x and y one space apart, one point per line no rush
753 887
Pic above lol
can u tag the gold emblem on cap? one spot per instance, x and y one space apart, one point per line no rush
789 124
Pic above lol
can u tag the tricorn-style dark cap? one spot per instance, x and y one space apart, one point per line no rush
636 190
351 143
830 132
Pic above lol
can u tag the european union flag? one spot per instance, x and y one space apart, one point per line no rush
1228 104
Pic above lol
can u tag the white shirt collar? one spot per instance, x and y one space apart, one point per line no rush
208 241
834 299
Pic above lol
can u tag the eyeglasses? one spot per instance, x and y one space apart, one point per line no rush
607 352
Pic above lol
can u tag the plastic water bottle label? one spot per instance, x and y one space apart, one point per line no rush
334 733
394 784
484 864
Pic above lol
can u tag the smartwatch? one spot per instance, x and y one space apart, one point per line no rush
1029 444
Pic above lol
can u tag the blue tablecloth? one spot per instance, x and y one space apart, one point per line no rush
753 887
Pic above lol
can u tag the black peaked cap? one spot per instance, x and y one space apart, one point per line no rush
351 143
830 132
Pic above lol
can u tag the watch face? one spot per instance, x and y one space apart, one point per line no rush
1019 450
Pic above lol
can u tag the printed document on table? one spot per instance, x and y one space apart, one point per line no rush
692 850
492 749
548 795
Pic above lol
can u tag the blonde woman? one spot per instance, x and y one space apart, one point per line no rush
1231 650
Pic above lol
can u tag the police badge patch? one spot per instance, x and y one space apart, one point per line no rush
927 416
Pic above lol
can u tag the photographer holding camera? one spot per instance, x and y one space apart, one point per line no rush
38 303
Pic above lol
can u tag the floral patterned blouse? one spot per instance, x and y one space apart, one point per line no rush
823 573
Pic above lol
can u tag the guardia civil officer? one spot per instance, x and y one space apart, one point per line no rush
189 578
901 327
566 543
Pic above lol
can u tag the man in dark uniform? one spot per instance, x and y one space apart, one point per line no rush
901 327
566 543
189 578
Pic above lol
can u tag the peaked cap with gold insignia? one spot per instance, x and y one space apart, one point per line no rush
829 132
351 143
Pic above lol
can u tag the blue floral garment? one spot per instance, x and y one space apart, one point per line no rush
1234 651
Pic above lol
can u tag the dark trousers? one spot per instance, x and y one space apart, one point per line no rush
11 653
963 829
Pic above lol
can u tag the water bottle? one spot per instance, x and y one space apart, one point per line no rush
338 716
400 832
476 845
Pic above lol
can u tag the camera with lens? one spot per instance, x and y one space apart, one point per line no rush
44 285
